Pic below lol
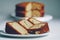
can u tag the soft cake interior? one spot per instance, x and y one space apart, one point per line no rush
33 20
26 24
18 28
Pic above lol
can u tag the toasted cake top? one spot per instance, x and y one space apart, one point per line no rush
23 4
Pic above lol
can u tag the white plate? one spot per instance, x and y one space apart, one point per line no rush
46 18
17 35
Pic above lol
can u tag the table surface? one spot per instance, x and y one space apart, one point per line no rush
54 33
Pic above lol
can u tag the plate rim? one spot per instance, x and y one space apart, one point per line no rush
18 18
17 35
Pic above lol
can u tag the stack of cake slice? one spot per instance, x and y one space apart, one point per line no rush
29 9
27 26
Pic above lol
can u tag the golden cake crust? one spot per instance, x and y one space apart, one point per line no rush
23 4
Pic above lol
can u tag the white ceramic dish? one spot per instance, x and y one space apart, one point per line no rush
17 35
46 18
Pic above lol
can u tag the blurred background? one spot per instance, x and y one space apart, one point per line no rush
52 7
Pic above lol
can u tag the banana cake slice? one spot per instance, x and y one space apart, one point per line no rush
25 23
15 28
39 28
